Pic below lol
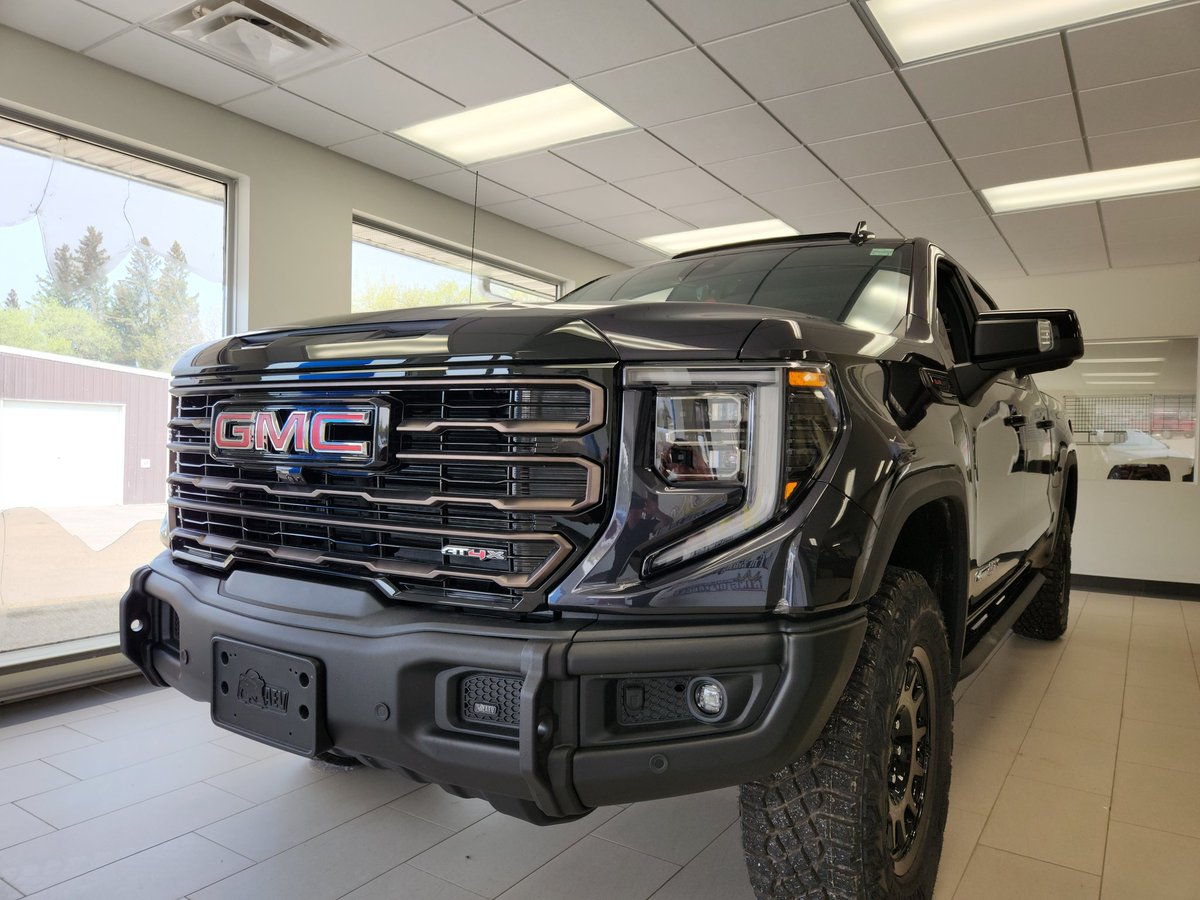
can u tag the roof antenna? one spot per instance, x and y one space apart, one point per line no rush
861 235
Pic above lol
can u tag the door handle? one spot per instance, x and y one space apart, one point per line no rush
1045 424
1016 421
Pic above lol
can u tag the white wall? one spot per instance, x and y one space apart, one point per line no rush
1127 529
295 199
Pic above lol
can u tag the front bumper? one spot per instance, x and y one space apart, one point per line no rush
393 678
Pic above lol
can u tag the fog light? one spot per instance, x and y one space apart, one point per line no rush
708 697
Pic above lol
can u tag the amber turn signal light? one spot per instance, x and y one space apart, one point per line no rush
806 378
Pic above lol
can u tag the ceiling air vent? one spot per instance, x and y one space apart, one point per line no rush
252 35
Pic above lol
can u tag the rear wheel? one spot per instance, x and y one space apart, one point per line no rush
861 814
1045 618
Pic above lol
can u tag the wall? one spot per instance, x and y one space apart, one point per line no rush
295 199
27 375
1127 529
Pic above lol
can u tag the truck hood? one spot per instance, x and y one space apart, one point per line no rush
515 332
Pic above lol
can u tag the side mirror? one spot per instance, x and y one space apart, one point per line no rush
1025 341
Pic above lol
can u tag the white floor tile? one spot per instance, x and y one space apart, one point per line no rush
675 829
165 872
27 779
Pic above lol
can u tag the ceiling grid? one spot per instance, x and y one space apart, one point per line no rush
795 109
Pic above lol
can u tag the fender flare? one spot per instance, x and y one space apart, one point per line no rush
907 496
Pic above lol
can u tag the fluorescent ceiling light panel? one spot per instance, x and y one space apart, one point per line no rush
1123 343
696 239
920 29
1086 187
533 122
1110 383
1093 376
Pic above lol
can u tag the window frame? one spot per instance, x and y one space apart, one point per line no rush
48 668
232 312
469 255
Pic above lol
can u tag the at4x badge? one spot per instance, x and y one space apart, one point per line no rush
479 553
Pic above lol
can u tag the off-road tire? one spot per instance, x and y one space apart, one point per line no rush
819 826
1045 618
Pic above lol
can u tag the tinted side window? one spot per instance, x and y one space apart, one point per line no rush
952 306
983 303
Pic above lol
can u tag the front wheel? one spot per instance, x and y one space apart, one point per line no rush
861 814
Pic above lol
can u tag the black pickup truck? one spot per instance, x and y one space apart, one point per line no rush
739 517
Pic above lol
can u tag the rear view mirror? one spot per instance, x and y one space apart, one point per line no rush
1025 341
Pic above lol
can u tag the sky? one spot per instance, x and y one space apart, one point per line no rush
46 202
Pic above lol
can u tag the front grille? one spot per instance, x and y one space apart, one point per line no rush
494 699
489 488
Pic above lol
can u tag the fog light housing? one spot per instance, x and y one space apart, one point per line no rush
707 699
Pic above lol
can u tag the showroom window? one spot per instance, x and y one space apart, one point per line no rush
1132 405
393 270
111 265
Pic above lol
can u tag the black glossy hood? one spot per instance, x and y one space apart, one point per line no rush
553 333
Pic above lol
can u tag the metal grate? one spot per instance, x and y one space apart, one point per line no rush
644 701
495 699
1108 419
508 468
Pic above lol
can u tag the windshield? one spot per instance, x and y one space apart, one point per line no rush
863 286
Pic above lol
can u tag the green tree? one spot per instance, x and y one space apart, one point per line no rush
387 294
11 301
174 313
91 261
57 286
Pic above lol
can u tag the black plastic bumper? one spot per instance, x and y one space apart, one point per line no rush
392 677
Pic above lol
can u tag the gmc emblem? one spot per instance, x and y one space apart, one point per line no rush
344 434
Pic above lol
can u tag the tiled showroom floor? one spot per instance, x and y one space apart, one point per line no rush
1076 774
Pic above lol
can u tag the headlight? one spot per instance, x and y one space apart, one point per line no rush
753 436
700 436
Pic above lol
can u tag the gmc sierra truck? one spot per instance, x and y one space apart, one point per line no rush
743 516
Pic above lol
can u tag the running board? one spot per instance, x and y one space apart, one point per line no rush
997 622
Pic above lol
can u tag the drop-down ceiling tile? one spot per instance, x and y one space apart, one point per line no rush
599 202
370 92
372 25
731 134
917 218
984 258
1134 217
1140 46
67 23
709 21
472 63
1154 252
133 10
985 79
1059 260
530 212
791 167
677 86
1026 164
636 226
1145 145
1029 124
623 156
1142 104
394 155
537 174
728 211
1048 229
580 233
676 188
935 180
461 185
813 51
581 37
176 66
295 115
811 199
843 110
883 151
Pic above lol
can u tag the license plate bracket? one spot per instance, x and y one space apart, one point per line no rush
273 697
